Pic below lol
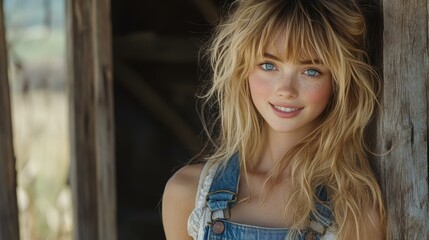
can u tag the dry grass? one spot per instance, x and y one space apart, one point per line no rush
40 118
40 124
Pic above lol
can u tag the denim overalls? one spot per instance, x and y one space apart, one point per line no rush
222 197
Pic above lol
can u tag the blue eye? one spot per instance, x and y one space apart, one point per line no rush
267 66
311 72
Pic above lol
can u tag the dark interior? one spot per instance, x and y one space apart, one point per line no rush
157 74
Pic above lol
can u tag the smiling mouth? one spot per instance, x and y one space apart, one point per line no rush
286 109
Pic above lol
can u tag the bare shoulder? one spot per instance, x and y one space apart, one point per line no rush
179 200
183 184
187 177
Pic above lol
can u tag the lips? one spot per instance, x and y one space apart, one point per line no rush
286 111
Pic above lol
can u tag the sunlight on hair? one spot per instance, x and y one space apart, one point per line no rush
334 32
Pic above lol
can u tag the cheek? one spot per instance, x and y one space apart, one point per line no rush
319 92
259 86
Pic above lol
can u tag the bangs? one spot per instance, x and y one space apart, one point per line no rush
295 31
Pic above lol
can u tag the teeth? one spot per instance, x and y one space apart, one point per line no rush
285 109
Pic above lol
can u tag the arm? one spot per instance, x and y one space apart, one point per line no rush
179 200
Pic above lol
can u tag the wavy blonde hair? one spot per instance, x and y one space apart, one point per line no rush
333 155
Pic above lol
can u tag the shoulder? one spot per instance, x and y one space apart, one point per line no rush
186 175
184 182
179 200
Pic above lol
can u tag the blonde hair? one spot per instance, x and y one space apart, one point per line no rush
333 155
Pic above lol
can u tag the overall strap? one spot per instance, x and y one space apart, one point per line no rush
322 218
223 191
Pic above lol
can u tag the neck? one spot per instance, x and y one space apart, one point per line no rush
276 146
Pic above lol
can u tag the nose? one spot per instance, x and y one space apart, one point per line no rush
286 86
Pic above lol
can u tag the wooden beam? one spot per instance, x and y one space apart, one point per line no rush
9 225
403 123
91 120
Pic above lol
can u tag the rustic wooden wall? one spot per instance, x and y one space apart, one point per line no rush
9 229
401 135
91 119
403 122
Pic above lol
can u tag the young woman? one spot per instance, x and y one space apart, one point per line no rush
294 93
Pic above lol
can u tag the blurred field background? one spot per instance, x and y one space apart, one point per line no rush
36 41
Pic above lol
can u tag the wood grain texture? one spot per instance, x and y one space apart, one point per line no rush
9 228
105 121
403 123
91 119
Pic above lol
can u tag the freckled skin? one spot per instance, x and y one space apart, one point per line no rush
290 85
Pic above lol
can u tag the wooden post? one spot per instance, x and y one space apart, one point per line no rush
403 122
91 119
9 225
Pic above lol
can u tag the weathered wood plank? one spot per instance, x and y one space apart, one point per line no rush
82 121
9 226
105 121
403 125
91 120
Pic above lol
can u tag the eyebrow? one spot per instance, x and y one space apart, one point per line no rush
303 62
